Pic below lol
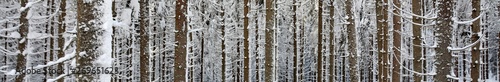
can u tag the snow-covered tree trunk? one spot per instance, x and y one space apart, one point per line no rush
461 34
145 42
285 40
325 24
125 43
59 50
9 37
70 38
307 29
341 45
406 45
396 38
212 39
256 39
195 42
94 38
429 40
36 47
475 51
233 39
417 41
365 30
489 46
22 33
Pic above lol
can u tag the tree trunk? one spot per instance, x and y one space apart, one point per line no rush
351 30
417 41
269 46
23 31
246 61
382 40
93 36
181 38
144 41
396 70
443 56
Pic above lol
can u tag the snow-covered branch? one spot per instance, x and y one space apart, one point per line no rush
418 73
57 78
456 20
410 13
10 29
60 60
467 46
28 5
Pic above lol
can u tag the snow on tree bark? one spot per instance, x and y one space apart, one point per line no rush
195 42
284 40
212 39
93 37
382 33
365 29
256 39
406 49
489 47
23 31
9 37
429 39
341 50
325 24
37 38
233 38
307 28
461 34
125 43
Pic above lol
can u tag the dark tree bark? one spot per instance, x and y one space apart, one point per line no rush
476 52
351 37
382 40
320 40
60 39
181 40
23 31
444 30
269 46
397 44
417 41
246 61
89 30
144 40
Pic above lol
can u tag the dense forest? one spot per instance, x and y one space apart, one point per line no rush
249 40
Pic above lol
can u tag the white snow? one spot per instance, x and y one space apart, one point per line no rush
35 35
58 77
10 29
14 35
105 60
58 61
28 5
455 19
467 46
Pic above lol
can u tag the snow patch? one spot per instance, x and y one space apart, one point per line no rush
28 5
60 60
34 35
15 35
